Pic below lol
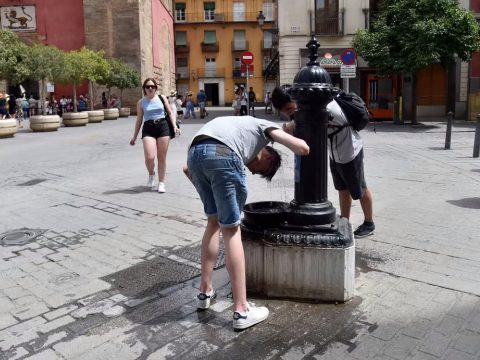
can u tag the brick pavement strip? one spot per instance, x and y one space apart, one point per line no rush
417 277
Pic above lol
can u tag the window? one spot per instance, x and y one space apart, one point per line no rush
239 41
237 64
268 11
209 11
180 38
238 11
267 40
180 12
210 37
326 17
182 62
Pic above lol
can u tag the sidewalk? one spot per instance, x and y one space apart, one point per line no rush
114 273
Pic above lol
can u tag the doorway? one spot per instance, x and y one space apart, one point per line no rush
211 89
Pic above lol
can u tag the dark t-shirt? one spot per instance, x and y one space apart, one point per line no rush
251 96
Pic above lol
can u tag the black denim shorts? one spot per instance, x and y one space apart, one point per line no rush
155 128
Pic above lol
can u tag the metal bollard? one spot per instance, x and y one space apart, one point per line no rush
476 143
448 137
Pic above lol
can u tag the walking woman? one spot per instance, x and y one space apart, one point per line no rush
152 111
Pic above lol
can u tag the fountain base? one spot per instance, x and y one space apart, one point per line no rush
305 263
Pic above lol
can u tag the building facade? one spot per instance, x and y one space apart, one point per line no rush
334 22
210 37
138 32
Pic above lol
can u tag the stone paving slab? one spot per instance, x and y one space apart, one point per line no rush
417 286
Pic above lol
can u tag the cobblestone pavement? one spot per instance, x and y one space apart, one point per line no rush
114 269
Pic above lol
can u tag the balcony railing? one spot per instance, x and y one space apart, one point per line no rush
182 49
239 45
214 16
236 73
210 47
330 26
211 73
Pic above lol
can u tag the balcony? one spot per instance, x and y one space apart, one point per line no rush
182 49
211 73
210 47
182 73
237 73
239 45
330 26
219 17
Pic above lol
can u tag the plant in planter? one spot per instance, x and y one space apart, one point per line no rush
12 63
46 64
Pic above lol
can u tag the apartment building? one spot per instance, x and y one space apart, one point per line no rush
334 23
210 37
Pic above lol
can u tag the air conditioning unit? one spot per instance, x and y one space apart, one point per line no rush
219 17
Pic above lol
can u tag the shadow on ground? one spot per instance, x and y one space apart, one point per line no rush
468 203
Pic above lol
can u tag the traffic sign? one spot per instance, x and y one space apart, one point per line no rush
348 56
243 68
246 57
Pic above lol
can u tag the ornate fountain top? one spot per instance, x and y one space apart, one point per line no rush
313 46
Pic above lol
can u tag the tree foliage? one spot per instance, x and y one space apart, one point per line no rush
409 35
121 76
13 53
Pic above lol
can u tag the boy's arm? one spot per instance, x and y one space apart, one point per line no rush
298 146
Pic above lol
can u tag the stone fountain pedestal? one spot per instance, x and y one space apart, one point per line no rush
304 265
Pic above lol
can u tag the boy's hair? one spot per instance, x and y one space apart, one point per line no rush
276 163
280 98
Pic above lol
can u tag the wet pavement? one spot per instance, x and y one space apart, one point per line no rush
112 268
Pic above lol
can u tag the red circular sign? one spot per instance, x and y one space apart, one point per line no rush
348 57
246 57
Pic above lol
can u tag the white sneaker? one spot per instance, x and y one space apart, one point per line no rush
151 181
205 300
161 187
252 316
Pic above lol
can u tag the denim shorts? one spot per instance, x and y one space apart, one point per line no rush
219 177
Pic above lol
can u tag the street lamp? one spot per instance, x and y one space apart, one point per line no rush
261 18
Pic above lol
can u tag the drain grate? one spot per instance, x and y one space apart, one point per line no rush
150 276
193 253
32 182
19 236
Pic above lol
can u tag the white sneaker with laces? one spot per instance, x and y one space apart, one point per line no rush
161 187
253 315
205 300
151 181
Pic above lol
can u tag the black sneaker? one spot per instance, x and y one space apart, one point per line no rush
364 230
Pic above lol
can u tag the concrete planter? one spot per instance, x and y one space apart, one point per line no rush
111 114
124 112
8 128
95 116
44 122
75 119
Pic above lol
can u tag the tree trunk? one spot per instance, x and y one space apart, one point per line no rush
92 95
43 109
414 99
74 97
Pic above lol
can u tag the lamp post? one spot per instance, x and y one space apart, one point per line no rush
261 18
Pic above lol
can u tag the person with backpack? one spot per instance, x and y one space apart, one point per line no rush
346 152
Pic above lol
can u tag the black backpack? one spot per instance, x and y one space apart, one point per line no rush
354 109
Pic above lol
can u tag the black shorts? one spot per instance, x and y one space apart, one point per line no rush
155 128
349 176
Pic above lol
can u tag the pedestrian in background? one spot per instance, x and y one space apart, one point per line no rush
190 106
179 108
3 106
152 113
268 103
243 102
25 108
172 101
202 103
216 159
12 106
236 102
252 98
346 160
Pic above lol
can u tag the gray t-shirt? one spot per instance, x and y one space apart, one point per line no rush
245 135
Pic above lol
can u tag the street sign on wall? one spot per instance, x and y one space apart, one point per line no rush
348 71
348 56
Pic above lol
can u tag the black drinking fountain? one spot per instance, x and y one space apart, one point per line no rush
302 249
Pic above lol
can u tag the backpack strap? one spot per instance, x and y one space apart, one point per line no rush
337 130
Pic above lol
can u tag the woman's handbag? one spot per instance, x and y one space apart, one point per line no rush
171 130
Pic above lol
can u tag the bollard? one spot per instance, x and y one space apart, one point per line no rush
448 137
476 143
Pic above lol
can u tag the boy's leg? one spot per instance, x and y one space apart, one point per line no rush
345 203
235 261
367 205
210 247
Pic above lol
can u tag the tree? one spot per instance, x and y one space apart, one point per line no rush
45 63
83 64
121 76
13 53
409 35
96 68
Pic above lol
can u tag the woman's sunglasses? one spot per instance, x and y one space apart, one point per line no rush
150 87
